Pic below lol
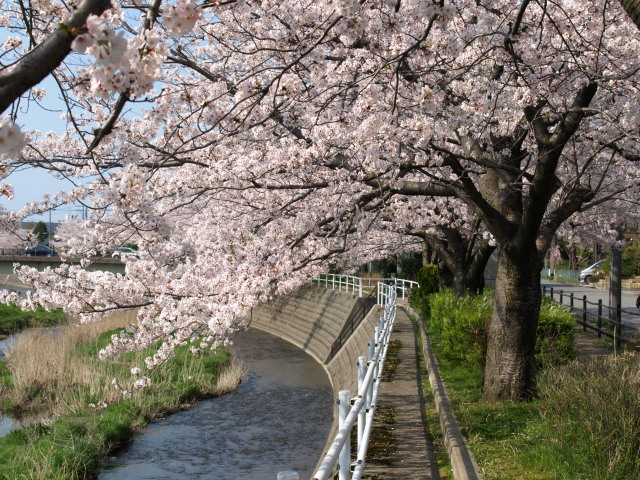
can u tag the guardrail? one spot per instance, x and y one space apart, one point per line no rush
590 316
360 285
360 409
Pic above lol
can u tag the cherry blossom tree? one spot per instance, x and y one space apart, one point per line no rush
449 229
246 146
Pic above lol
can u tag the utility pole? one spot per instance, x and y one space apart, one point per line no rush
50 235
615 286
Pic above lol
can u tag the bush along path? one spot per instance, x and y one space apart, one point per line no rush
94 404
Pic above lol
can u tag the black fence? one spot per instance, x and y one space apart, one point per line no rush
595 317
360 310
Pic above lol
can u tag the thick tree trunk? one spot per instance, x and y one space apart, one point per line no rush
632 7
462 278
510 364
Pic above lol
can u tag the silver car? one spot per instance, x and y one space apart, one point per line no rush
587 273
123 252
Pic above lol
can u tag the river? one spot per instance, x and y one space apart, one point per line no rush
278 419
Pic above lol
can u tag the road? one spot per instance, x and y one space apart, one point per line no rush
630 314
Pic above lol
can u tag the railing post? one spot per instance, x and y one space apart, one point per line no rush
344 460
362 416
370 354
360 289
599 317
551 293
618 338
377 340
561 297
571 300
584 313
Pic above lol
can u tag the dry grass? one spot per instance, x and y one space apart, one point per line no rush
43 367
230 377
592 413
49 376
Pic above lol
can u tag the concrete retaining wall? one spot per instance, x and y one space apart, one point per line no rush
311 318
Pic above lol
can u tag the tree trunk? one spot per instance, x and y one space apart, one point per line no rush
632 7
426 253
511 333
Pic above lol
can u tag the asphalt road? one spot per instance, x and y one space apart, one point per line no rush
629 312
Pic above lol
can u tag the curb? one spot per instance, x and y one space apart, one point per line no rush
463 463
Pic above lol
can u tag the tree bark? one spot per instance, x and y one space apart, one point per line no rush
511 333
632 7
462 260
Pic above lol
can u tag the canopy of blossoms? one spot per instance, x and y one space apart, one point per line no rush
245 146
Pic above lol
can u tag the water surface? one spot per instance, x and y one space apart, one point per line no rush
278 419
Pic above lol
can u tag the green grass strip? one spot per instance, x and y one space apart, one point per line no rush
13 319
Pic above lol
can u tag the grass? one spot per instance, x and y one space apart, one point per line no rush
503 437
13 319
88 399
584 426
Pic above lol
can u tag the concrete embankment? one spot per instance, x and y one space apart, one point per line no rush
311 318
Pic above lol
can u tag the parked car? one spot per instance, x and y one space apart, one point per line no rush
587 273
123 252
41 250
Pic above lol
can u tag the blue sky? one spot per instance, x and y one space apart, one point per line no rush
30 185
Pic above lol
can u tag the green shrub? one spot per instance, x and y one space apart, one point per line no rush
428 280
592 413
555 335
462 323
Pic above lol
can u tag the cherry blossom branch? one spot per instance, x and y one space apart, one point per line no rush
43 59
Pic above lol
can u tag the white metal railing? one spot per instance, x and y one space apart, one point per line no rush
356 285
361 408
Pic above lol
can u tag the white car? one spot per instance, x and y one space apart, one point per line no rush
589 272
123 252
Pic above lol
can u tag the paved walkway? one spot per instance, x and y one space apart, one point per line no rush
401 449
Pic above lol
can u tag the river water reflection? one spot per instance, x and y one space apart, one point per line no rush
278 419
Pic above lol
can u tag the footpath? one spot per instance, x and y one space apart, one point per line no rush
401 448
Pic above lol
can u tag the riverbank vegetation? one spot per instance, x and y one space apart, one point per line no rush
91 406
13 319
583 422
